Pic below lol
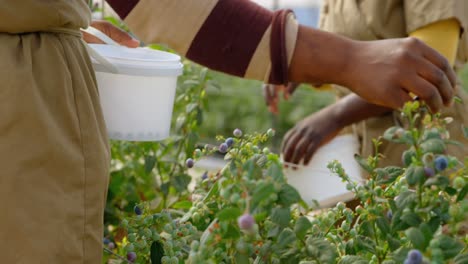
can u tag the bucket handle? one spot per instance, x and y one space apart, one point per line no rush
95 55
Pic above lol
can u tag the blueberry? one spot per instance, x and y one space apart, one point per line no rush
106 241
246 221
237 132
111 245
389 215
189 163
414 257
205 176
429 172
131 256
223 148
137 210
229 142
441 163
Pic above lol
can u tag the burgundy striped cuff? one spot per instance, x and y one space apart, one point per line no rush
278 50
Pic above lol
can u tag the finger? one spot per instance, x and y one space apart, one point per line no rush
442 63
120 36
300 150
426 91
286 140
399 99
310 152
440 81
88 38
292 145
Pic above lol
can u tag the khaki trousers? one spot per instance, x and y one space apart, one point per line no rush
54 154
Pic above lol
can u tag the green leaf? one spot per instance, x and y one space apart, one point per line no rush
417 238
230 231
405 199
396 134
414 175
393 242
389 174
302 226
286 238
450 246
367 228
363 163
321 249
353 260
288 195
462 193
190 107
281 216
182 205
365 243
150 161
180 182
465 131
276 172
461 259
228 213
434 145
212 192
411 219
427 232
440 181
384 225
156 253
261 193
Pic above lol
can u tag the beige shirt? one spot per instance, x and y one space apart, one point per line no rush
382 19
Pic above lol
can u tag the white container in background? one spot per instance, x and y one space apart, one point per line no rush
316 182
136 87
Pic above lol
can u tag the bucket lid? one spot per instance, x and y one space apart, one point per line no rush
137 61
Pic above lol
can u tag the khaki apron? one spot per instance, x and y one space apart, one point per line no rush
54 153
377 19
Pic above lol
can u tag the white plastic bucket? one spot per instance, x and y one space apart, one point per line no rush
316 182
137 89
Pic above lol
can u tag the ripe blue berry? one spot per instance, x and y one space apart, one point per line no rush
389 215
223 148
111 245
131 256
429 172
237 132
441 163
229 142
189 163
106 241
246 221
137 210
205 176
414 257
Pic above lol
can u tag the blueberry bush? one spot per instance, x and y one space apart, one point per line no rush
248 213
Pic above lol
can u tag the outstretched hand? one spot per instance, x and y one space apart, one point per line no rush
118 35
302 141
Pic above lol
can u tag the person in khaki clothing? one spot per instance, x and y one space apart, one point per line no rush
54 152
439 23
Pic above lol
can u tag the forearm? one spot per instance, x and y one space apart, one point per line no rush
319 57
352 109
